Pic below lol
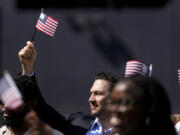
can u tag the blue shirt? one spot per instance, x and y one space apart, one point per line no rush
96 129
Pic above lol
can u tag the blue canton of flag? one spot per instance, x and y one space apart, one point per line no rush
43 18
47 24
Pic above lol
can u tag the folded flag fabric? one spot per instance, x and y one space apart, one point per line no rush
137 67
47 24
178 75
9 93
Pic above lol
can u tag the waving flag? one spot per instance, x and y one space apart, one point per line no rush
137 67
10 95
47 24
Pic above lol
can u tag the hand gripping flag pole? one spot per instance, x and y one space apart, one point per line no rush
45 24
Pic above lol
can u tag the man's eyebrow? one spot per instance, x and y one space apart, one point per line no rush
99 92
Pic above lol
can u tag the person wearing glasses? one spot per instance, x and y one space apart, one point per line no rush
140 106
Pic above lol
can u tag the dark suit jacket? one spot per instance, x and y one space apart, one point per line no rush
75 124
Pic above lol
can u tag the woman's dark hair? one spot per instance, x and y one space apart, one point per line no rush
156 106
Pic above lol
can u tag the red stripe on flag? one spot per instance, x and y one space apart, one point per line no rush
42 30
14 103
51 23
134 67
40 26
10 97
134 61
54 20
51 26
46 27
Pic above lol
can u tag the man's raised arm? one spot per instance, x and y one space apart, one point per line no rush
45 112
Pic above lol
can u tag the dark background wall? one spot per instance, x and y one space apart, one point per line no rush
66 63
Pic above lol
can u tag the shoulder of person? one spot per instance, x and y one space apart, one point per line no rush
177 126
81 119
4 130
56 132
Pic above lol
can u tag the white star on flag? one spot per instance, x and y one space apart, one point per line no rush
42 16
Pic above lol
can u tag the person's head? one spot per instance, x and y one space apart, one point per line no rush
27 88
175 118
36 126
139 105
100 91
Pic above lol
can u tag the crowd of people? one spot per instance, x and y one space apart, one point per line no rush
134 105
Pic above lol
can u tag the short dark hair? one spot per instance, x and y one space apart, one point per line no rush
112 79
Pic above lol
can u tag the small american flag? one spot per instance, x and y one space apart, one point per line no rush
137 67
47 24
10 95
178 75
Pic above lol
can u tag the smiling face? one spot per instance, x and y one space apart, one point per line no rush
13 118
126 109
98 94
6 115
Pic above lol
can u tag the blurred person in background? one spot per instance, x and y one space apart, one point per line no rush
140 106
23 121
98 95
36 126
176 120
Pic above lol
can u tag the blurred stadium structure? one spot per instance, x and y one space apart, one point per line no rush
68 4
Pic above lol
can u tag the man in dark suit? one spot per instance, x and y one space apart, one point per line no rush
98 94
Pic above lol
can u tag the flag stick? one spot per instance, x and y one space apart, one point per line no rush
150 70
34 33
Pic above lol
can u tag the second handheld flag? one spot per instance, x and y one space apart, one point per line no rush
137 67
9 93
